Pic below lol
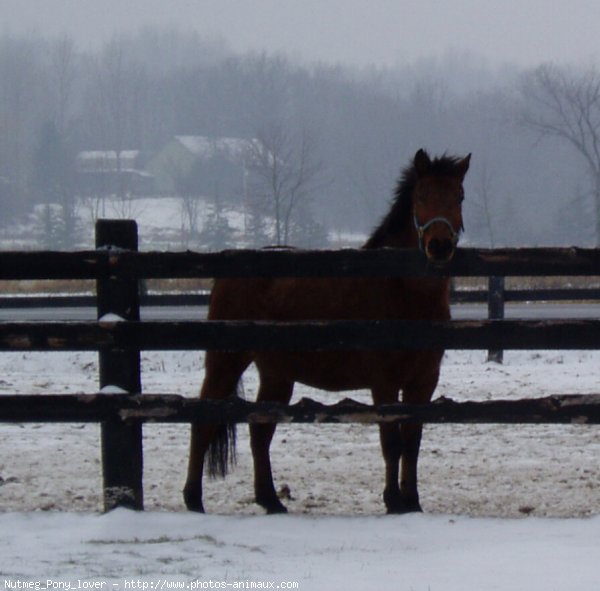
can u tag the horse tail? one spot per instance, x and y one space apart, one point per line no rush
222 451
222 456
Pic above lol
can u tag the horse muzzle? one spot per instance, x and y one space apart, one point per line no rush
439 248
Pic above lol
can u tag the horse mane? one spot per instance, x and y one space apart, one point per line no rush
396 219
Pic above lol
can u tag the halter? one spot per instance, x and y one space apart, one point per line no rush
421 229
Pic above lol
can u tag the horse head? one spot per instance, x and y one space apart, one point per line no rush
437 204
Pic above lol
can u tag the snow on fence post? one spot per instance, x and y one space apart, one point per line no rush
496 311
118 298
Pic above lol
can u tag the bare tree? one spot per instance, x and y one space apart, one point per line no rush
63 73
285 174
565 104
187 189
54 158
20 70
116 98
483 190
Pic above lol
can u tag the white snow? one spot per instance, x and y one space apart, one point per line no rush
111 389
110 318
422 552
507 507
160 223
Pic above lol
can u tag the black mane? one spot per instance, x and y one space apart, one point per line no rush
400 211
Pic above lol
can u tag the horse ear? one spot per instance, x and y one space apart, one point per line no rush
463 165
422 162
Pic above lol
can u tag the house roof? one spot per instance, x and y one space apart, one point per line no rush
205 147
106 160
108 155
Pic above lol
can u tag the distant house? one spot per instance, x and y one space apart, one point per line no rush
107 172
211 166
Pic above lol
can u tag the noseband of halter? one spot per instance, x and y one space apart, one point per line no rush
421 229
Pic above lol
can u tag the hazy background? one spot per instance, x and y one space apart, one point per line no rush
345 90
356 32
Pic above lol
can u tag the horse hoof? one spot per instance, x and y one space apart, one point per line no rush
403 509
272 506
398 504
404 506
192 501
278 509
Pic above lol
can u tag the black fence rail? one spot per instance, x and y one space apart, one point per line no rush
130 264
347 335
119 336
172 408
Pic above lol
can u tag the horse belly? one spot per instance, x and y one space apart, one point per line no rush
338 371
334 299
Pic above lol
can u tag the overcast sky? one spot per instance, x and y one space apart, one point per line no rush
380 32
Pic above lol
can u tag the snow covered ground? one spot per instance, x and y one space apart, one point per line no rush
412 553
336 535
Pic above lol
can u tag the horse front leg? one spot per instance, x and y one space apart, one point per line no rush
402 442
392 448
410 437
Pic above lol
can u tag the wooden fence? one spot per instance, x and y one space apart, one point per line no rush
119 336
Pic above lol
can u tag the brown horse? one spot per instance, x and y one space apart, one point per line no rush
426 213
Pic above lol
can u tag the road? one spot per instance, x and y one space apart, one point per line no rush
532 311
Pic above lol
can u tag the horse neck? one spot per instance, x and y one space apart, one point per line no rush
408 238
430 295
404 236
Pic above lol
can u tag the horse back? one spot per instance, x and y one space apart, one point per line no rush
296 299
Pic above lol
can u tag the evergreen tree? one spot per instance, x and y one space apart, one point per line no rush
217 233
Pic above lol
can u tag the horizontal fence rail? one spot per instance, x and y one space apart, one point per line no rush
130 264
376 335
165 408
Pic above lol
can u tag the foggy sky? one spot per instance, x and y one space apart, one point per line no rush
361 32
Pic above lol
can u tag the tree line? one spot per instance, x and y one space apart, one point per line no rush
327 142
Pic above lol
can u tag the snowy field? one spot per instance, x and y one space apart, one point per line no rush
336 535
161 225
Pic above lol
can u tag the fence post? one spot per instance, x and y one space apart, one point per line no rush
122 456
496 311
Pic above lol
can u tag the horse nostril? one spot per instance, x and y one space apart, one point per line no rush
440 250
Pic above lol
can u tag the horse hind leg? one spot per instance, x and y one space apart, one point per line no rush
222 374
261 435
